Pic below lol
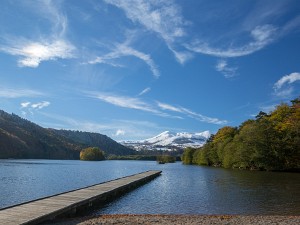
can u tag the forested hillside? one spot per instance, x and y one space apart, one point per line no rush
20 138
269 142
98 140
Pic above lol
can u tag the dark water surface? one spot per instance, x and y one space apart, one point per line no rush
179 190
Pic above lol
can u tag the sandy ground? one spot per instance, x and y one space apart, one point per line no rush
181 219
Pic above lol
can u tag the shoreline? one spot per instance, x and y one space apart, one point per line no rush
145 219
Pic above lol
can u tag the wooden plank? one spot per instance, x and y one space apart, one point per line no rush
48 208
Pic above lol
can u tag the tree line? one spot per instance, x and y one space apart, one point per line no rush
271 141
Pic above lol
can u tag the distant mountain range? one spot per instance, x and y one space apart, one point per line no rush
20 138
170 141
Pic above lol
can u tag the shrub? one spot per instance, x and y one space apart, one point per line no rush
92 154
165 159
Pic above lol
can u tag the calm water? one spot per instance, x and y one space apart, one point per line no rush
179 190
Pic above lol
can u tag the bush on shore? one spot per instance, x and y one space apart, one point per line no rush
165 159
92 154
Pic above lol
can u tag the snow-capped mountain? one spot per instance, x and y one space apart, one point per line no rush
169 141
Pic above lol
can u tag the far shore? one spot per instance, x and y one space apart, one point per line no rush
180 219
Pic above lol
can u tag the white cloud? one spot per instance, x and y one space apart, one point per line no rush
33 53
104 60
292 25
191 114
261 35
38 105
282 88
181 56
31 108
165 106
122 50
161 17
146 90
145 57
222 66
120 132
18 93
138 104
25 104
285 93
51 12
125 102
50 46
289 79
252 33
130 103
203 118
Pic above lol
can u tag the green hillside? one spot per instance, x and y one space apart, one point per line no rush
20 138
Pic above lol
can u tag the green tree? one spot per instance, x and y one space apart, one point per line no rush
92 154
165 159
293 136
224 136
243 147
270 142
200 156
187 156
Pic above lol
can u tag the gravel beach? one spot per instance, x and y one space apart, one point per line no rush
181 219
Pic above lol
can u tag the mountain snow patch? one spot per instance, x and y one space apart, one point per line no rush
169 141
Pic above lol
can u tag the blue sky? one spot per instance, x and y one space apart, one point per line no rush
132 69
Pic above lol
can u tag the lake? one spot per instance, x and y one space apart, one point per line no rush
181 189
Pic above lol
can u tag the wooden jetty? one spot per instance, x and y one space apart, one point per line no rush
69 203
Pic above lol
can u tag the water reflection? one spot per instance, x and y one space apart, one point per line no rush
179 190
203 190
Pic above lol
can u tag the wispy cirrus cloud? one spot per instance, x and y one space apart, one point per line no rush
105 60
124 101
18 93
51 11
227 71
146 90
122 50
255 32
261 37
161 17
165 106
287 79
282 88
30 108
51 46
130 103
139 104
181 56
191 114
